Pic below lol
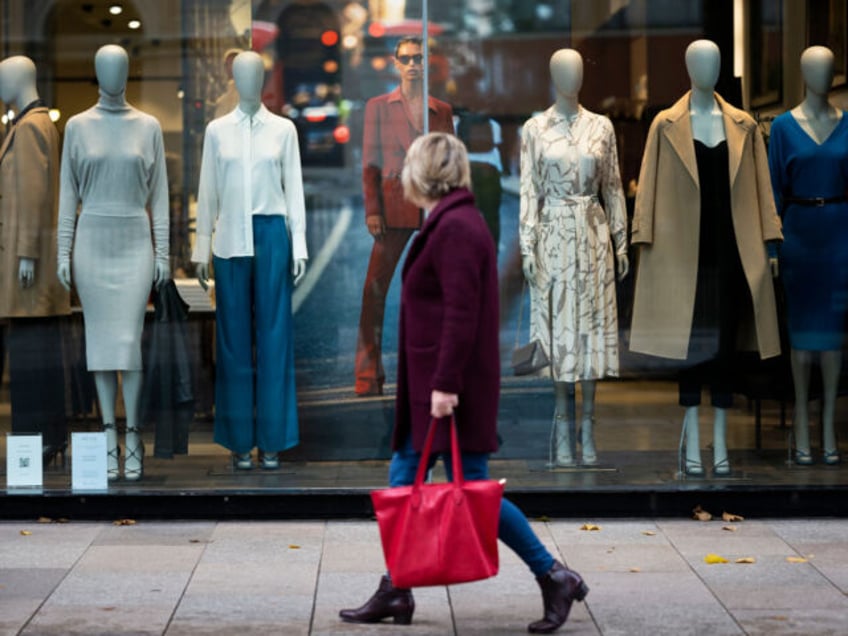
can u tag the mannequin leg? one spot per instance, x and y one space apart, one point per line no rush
721 463
564 416
587 422
692 437
106 383
831 364
801 363
134 460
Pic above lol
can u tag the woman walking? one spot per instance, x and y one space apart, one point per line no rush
448 364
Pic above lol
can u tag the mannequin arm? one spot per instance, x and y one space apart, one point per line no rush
26 272
161 273
64 274
623 265
299 270
201 271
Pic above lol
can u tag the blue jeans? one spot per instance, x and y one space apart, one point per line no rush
513 529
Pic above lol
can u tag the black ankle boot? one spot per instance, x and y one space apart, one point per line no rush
560 588
387 602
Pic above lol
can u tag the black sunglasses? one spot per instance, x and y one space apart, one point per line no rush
406 59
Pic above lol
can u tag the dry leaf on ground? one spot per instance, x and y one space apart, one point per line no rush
731 518
795 559
25 533
649 533
294 547
699 514
44 520
712 559
729 528
123 522
635 570
591 527
746 560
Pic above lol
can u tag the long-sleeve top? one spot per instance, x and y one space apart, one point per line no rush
250 166
113 163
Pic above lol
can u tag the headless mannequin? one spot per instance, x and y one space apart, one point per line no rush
17 88
249 75
818 118
111 66
566 68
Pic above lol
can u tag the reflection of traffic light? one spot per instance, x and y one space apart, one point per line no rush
197 116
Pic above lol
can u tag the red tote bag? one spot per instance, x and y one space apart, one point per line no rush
440 534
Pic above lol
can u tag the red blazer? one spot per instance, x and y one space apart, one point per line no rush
387 134
448 337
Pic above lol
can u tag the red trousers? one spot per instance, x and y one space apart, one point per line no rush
385 255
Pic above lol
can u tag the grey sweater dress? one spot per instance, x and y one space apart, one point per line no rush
113 164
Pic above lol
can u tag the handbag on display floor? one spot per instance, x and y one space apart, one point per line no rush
440 534
531 357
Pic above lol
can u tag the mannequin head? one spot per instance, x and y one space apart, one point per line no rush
567 72
111 64
703 63
17 81
817 69
249 76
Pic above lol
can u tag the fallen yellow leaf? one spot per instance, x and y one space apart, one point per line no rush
635 570
712 559
649 533
699 514
294 547
729 528
746 560
794 559
26 533
730 517
543 518
44 520
124 522
590 527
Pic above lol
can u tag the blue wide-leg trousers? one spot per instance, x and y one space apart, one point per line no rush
255 400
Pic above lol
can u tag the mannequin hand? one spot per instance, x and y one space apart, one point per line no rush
201 270
774 266
442 404
26 272
64 274
299 270
623 265
528 266
161 273
376 226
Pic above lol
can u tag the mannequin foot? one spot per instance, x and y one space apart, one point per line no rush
587 441
270 461
721 468
134 461
562 441
113 452
242 461
803 458
831 458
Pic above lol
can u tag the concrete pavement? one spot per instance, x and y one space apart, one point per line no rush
646 577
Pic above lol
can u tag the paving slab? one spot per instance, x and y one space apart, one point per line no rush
792 622
22 591
46 546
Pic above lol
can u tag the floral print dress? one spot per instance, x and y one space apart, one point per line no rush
568 164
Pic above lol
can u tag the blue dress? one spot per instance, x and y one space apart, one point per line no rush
814 254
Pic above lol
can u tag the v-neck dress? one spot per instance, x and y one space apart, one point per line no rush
814 254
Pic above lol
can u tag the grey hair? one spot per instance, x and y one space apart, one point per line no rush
435 164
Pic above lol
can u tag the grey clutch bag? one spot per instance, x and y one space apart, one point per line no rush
531 357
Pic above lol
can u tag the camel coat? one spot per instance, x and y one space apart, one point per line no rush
666 224
29 190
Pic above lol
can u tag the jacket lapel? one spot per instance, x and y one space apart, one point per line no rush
449 202
736 132
679 135
6 143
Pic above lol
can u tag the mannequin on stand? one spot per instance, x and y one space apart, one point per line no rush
113 166
704 274
808 157
251 195
568 158
31 298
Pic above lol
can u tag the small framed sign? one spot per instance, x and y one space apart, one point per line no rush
88 462
23 461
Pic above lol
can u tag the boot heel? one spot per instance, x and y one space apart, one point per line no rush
403 619
581 591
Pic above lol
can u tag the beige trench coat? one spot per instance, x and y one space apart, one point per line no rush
29 190
667 223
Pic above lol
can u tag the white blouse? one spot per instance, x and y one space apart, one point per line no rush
251 165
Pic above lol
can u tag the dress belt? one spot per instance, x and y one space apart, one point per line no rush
573 198
816 202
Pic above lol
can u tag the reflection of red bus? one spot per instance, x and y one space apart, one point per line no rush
302 49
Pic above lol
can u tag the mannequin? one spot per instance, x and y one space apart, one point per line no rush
30 297
808 158
568 157
108 252
704 271
260 244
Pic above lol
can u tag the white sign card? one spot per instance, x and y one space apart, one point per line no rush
23 461
88 461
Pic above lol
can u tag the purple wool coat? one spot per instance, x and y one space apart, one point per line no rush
448 338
